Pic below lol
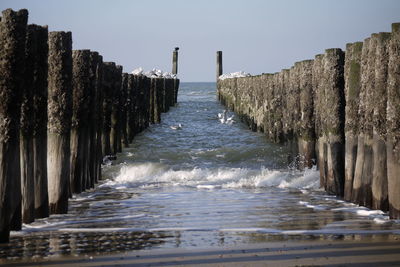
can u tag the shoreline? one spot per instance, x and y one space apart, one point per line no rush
293 253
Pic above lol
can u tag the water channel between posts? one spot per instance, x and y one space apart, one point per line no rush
205 183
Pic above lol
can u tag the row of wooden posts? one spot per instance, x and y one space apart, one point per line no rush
340 111
61 112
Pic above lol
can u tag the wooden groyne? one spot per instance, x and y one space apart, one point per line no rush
340 111
62 111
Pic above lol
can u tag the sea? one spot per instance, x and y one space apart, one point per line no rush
199 179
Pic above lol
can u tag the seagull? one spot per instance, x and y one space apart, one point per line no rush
222 116
230 120
176 127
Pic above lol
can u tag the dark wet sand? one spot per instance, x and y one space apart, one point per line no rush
304 253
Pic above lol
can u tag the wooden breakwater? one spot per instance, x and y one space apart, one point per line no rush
340 111
62 111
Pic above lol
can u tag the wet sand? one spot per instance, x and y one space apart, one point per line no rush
304 253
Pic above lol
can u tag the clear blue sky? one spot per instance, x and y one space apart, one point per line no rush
255 36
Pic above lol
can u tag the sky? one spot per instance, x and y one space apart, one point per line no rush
256 36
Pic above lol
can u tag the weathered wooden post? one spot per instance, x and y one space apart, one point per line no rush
12 64
26 127
120 104
146 87
176 89
175 61
279 105
132 114
81 87
115 134
159 103
99 126
125 105
393 122
294 113
334 93
306 130
152 96
40 124
108 70
59 124
357 194
379 103
94 109
366 181
352 74
164 95
319 107
140 102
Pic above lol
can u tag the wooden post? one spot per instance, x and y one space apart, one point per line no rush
393 122
26 130
152 95
352 74
40 124
379 105
367 129
12 52
176 89
81 87
362 191
115 134
306 130
94 110
319 106
333 81
124 106
175 61
108 70
219 64
59 124
100 122
132 113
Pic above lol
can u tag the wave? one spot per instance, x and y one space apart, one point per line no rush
158 175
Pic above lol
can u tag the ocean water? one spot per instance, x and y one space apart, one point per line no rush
198 181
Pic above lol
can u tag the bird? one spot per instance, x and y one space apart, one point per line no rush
222 116
224 119
176 127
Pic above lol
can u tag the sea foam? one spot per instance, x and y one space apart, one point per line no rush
157 174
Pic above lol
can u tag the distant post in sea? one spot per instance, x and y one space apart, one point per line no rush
219 64
175 61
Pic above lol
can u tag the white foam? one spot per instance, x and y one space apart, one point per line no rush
314 207
45 225
155 174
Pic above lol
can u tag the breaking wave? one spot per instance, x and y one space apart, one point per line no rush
158 175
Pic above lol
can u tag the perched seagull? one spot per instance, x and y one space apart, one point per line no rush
176 127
